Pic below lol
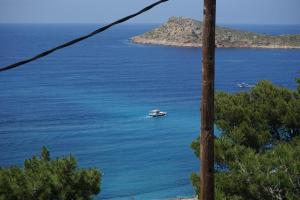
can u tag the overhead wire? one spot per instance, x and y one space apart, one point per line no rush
69 43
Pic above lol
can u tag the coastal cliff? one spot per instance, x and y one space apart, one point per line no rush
185 32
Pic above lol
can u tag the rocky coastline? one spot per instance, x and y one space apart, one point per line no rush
185 32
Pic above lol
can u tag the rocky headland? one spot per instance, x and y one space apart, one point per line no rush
185 32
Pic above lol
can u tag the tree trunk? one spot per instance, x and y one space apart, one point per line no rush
207 102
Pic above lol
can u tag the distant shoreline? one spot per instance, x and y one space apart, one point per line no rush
140 40
185 32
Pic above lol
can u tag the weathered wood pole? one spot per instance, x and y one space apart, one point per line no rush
207 102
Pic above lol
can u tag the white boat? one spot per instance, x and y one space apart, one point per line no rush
244 85
157 113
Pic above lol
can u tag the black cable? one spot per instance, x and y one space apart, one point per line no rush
45 53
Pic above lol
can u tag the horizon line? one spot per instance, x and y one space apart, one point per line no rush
133 23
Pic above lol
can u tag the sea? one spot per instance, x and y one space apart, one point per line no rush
92 99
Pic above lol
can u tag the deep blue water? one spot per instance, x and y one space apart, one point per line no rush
92 100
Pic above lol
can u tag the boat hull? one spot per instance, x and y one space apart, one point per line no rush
158 115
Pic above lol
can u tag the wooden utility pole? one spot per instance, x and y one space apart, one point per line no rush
207 102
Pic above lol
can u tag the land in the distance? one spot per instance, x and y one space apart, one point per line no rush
185 32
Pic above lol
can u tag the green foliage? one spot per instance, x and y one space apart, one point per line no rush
46 179
298 81
258 152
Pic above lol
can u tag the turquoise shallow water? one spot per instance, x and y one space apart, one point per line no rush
92 100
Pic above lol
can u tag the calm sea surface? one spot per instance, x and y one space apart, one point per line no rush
92 100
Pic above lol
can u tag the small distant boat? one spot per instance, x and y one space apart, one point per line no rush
157 113
244 85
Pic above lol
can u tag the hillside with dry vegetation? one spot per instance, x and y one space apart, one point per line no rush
185 32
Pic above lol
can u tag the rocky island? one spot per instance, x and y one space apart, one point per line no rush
185 32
